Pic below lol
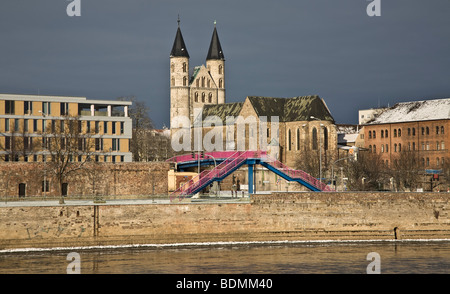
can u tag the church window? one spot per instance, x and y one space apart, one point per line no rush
208 83
298 139
314 139
196 96
203 97
325 138
184 81
220 83
289 139
209 97
220 69
172 67
184 67
197 83
203 82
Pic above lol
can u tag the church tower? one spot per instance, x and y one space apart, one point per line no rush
179 79
215 63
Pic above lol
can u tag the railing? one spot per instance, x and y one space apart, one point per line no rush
232 162
298 174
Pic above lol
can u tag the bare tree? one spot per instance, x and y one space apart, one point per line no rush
19 145
365 173
68 147
405 170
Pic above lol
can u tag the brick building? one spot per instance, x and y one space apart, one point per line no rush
419 127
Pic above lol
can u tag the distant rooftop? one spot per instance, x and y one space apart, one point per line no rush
436 109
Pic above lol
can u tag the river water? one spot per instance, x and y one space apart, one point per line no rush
321 257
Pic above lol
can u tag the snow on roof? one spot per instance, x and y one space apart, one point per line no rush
414 111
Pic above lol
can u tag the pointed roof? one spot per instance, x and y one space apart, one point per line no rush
215 50
179 48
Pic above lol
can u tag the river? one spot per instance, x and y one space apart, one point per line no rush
320 257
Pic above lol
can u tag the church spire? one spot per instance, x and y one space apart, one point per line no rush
215 50
179 48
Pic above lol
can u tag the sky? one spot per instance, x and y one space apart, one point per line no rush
283 48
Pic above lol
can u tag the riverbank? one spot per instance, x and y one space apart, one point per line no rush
265 218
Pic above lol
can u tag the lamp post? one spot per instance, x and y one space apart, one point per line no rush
320 148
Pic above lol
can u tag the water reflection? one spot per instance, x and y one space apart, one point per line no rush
314 258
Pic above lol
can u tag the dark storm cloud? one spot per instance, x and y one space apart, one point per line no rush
272 48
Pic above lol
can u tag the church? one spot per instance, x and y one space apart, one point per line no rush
304 125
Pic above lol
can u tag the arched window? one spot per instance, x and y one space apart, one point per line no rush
382 134
172 67
395 133
208 83
395 147
387 148
399 147
428 130
382 148
442 130
374 148
203 97
184 81
220 83
289 139
209 97
442 145
374 134
437 130
203 82
196 96
399 132
325 138
423 131
184 67
220 69
314 139
437 161
386 133
370 134
413 131
370 148
298 139
197 83
172 81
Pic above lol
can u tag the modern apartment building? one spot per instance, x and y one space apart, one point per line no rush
27 121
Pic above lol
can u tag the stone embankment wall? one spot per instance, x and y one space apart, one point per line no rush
276 217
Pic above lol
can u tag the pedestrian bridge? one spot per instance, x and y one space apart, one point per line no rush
226 162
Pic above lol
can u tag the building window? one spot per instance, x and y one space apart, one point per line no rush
289 139
428 161
428 130
121 127
184 67
16 125
395 133
442 130
395 147
414 146
220 83
35 125
210 98
113 127
443 145
203 97
6 124
382 134
399 147
196 97
25 125
220 69
7 143
314 139
374 149
409 132
184 81
437 130
45 186
382 148
386 133
105 127
325 138
298 139
172 67
399 132
97 127
423 131
27 107
46 108
208 83
64 108
9 107
374 134
370 134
